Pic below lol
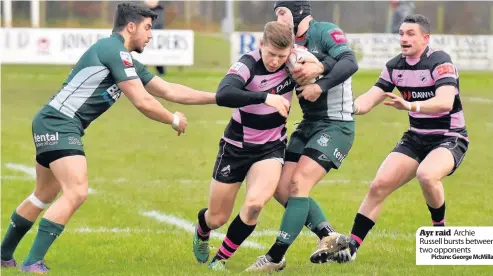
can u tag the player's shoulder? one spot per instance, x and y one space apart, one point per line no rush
437 56
109 44
395 61
325 25
250 59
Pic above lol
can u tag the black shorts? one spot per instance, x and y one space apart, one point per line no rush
418 146
45 158
233 163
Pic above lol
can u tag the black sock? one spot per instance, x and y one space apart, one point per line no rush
323 229
277 251
437 215
362 225
238 232
203 230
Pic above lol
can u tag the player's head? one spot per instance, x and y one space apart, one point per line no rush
135 21
292 11
415 35
276 45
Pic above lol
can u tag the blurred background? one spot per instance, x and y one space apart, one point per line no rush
447 17
213 21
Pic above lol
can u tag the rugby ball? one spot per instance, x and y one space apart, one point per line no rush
296 54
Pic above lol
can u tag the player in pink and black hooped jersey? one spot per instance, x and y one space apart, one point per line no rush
436 142
252 148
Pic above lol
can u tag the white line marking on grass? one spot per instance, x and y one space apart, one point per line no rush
189 227
17 177
478 100
31 172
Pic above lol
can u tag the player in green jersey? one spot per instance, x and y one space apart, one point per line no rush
321 141
97 80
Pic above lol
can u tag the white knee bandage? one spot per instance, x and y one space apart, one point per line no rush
38 203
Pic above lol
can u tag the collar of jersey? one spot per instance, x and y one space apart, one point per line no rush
119 36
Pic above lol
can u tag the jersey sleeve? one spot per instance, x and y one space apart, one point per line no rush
119 61
335 41
144 75
242 69
384 80
443 71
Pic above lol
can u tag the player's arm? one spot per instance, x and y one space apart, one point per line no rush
445 75
123 71
366 102
178 93
231 92
335 43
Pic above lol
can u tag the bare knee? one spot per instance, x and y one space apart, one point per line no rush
380 188
295 187
216 219
425 177
252 208
76 194
281 197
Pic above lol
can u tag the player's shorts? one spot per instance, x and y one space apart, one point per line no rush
55 136
326 142
233 163
418 146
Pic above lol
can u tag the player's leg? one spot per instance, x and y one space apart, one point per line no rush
440 162
227 176
70 170
396 170
316 220
22 219
262 179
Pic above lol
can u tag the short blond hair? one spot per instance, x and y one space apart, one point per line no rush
278 35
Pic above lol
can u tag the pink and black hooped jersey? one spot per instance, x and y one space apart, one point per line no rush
245 87
418 80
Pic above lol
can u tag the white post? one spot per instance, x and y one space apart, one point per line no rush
228 22
7 13
35 13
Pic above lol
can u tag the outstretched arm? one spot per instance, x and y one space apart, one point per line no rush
178 93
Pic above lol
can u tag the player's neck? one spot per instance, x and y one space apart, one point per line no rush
126 40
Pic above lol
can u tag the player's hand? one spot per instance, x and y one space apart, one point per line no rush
310 92
182 123
278 102
309 69
397 102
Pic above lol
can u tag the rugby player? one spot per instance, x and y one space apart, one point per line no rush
321 141
436 142
252 148
96 81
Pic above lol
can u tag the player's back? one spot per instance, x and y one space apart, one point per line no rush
418 80
258 126
91 87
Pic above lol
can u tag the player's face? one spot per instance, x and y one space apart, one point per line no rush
142 35
413 40
273 57
285 16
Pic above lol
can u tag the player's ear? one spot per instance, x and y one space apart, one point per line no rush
131 27
427 38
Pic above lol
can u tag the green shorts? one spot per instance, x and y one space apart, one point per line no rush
326 142
54 131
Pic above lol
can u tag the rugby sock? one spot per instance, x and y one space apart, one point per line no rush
17 229
316 220
362 225
47 233
292 222
203 230
437 215
238 232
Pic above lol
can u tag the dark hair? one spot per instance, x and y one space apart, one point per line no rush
278 35
421 20
131 12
